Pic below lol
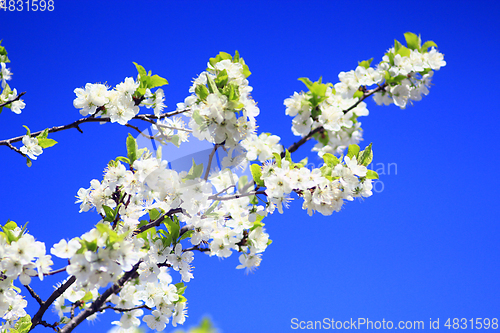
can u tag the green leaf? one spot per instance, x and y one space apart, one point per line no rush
201 91
180 288
173 227
306 81
357 94
131 149
122 159
43 135
288 157
404 51
154 214
370 174
28 132
277 157
221 79
142 72
187 234
156 81
322 137
330 160
46 143
366 156
242 181
212 87
23 325
196 171
428 44
412 41
353 151
110 213
365 63
397 45
236 57
10 225
257 174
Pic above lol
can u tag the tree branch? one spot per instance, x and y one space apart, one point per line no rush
37 318
34 295
98 303
158 221
12 101
144 117
299 143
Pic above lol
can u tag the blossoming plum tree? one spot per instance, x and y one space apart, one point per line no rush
136 260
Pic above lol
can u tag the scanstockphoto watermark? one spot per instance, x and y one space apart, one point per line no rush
27 5
370 324
361 323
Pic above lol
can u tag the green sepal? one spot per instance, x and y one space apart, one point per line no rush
370 174
257 174
28 162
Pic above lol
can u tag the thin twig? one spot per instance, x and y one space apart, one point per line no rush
12 101
210 158
56 271
37 318
34 295
98 303
235 196
123 310
158 221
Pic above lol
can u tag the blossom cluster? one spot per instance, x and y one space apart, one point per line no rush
403 75
323 190
21 257
222 109
8 96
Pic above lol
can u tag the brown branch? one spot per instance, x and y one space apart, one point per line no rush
34 295
210 158
37 318
124 310
144 117
98 303
12 101
235 196
158 221
56 271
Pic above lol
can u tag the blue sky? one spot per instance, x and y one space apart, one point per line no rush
426 246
